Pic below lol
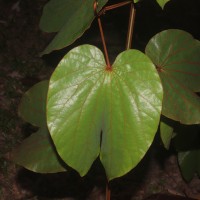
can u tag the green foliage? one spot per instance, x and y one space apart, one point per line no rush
37 152
69 18
85 98
175 54
32 107
166 131
162 3
187 144
113 113
189 162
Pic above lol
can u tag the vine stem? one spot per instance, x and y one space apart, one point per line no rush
104 44
108 193
130 27
117 5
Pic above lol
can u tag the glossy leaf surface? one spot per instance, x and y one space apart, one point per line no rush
69 18
162 3
176 56
37 152
85 100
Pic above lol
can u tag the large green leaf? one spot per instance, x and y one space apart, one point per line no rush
189 163
176 56
114 113
37 152
162 3
69 18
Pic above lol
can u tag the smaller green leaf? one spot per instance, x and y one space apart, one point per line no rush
175 54
166 131
162 3
37 154
32 107
189 163
56 13
69 18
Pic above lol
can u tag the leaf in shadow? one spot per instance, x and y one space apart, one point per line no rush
175 54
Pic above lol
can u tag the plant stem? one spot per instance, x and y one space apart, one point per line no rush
107 192
130 27
111 7
104 44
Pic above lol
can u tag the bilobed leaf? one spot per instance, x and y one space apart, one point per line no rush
166 131
189 163
93 111
37 152
69 18
162 3
175 54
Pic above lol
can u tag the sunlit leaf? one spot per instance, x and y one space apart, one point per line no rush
189 163
175 54
69 18
162 3
85 99
37 153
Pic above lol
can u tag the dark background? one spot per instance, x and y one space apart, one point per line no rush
21 41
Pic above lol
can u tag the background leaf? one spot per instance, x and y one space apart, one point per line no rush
176 56
32 107
162 3
84 99
189 163
69 18
187 143
166 131
37 152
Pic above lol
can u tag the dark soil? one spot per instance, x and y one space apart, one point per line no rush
21 41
